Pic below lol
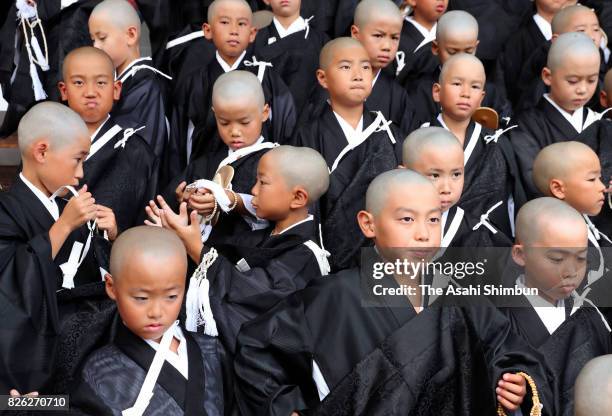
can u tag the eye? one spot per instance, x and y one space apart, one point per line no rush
556 260
581 259
242 24
434 220
456 83
102 83
396 38
345 67
246 123
78 83
407 219
457 174
223 123
172 297
434 175
140 298
366 66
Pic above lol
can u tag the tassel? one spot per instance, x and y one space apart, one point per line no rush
207 318
40 58
39 91
191 306
197 304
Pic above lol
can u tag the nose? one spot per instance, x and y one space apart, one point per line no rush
96 44
255 189
90 90
602 186
421 233
465 91
445 186
79 171
236 131
386 44
357 74
234 28
155 310
581 88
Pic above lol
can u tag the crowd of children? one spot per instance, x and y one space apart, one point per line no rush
196 232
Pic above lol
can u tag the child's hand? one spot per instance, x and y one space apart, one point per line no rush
106 221
202 201
180 191
79 210
186 226
153 213
511 391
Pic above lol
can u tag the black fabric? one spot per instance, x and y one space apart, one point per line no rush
466 236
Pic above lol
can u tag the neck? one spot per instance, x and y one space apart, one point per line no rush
287 21
230 60
92 127
351 114
423 22
414 289
294 217
133 55
31 176
457 127
546 15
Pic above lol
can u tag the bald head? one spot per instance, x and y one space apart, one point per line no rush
556 161
147 245
240 86
463 60
214 7
88 53
50 121
593 388
390 182
372 10
332 47
119 12
562 21
302 166
540 215
456 24
575 45
427 138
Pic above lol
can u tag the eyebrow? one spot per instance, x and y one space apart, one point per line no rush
561 251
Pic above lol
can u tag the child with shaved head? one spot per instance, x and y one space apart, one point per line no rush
420 26
150 354
357 144
120 169
490 187
50 259
456 32
593 391
114 27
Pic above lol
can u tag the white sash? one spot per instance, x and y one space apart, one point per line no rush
472 142
321 256
592 117
106 137
448 236
234 156
400 58
132 69
484 219
261 67
594 236
184 39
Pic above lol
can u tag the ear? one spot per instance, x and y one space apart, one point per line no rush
61 86
518 254
109 285
554 37
603 99
132 34
354 32
117 85
435 92
267 2
483 93
300 198
366 223
411 3
264 114
547 76
39 151
207 31
435 48
557 188
401 166
476 47
321 77
253 34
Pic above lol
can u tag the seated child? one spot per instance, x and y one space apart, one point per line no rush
290 358
147 281
230 28
490 188
560 115
114 26
50 268
436 153
457 32
120 169
593 388
356 144
247 281
292 45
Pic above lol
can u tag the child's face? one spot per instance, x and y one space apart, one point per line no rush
464 43
445 170
271 196
461 91
348 78
62 166
284 8
573 83
586 21
149 293
239 122
556 262
90 88
380 38
231 29
429 10
111 39
582 186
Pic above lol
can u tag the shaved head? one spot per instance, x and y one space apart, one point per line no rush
542 214
370 10
238 86
563 18
119 12
214 7
390 182
593 388
556 161
456 23
51 121
145 244
302 166
574 44
332 47
428 138
85 53
461 59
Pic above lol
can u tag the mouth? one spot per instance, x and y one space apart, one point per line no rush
421 253
153 327
91 104
233 43
383 58
236 144
464 106
445 204
440 8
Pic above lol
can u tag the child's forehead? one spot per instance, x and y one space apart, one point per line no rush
380 21
88 65
234 10
349 53
465 69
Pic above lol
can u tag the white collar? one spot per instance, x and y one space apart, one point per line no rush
49 203
230 151
552 316
226 67
443 221
575 119
429 35
376 77
308 218
544 26
298 25
93 136
131 64
350 133
178 359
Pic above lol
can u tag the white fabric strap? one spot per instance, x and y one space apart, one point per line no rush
127 133
3 102
498 133
261 67
317 377
146 391
134 69
447 239
385 125
217 190
594 236
184 39
593 116
29 20
484 219
234 156
99 143
580 300
197 304
472 143
321 255
307 24
400 58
